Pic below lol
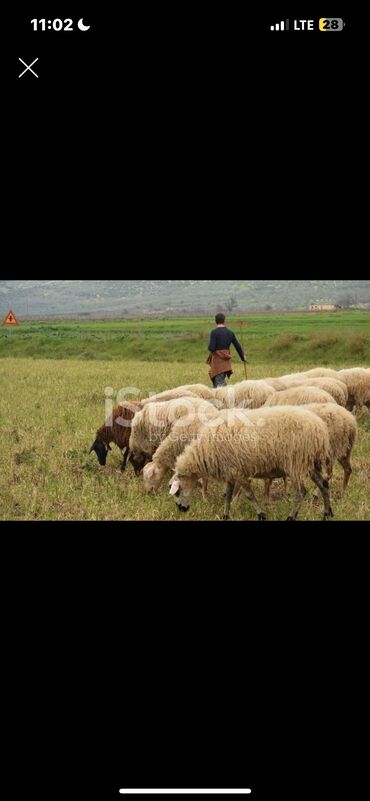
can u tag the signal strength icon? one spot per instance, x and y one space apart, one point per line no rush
280 26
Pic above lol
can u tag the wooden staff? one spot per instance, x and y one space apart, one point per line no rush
241 323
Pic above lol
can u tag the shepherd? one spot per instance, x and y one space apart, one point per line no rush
219 357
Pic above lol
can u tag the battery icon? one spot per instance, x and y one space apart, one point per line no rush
331 24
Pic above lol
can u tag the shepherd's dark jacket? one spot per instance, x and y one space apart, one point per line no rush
221 339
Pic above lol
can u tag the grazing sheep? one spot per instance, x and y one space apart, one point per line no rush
199 389
117 429
342 430
165 456
358 384
276 383
169 394
153 424
245 394
334 386
316 372
266 443
291 377
299 396
321 372
188 390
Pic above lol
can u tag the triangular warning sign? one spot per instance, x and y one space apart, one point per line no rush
10 319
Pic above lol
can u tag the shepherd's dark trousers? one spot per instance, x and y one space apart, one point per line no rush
220 380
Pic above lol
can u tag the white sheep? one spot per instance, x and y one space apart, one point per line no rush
334 386
357 380
199 389
276 383
269 443
291 377
299 396
164 459
321 372
247 394
169 394
342 430
153 424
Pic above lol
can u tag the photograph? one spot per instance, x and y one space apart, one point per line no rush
175 400
185 460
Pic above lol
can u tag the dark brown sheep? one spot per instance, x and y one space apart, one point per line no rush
116 431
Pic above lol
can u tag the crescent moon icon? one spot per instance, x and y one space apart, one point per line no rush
81 25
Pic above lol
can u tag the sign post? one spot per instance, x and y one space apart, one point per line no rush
10 319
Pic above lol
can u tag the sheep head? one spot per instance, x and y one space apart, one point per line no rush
181 488
153 475
138 459
101 449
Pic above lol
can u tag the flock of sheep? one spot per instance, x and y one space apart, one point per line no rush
292 427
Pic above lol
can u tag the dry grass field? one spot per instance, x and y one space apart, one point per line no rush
50 410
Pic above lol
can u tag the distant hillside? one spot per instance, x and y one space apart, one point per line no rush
143 298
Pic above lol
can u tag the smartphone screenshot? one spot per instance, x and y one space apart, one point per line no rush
185 355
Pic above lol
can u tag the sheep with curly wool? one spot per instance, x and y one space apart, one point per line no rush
342 430
299 396
357 381
321 372
266 443
117 429
316 372
334 386
153 424
277 384
188 390
199 389
182 432
244 394
169 394
291 377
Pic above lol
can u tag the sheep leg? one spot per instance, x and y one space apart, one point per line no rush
300 492
323 486
125 457
229 494
237 492
346 464
268 482
350 405
203 487
251 497
329 469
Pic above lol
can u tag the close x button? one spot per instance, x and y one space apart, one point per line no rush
28 68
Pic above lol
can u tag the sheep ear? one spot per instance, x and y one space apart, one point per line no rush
175 486
92 447
149 469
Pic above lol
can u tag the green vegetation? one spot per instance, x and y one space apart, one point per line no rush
50 410
310 339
